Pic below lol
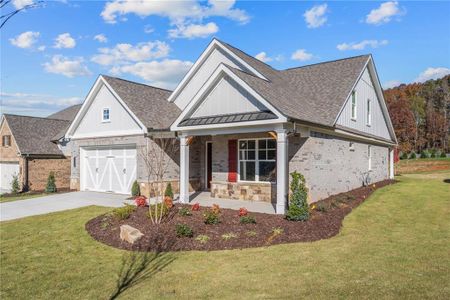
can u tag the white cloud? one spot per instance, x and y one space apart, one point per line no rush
101 38
64 40
301 55
432 73
391 84
123 53
41 48
262 56
166 73
384 13
67 67
177 11
148 29
193 31
25 39
361 45
315 17
18 4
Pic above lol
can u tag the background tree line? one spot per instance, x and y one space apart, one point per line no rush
420 113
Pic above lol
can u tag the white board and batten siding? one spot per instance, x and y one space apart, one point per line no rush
364 91
203 73
227 97
108 169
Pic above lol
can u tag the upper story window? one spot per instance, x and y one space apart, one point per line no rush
369 112
105 115
354 105
257 160
6 141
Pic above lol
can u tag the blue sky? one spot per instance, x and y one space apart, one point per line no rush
51 55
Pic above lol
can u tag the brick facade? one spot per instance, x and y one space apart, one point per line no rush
40 168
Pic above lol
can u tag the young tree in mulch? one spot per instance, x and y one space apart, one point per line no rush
168 192
15 187
298 202
51 185
135 189
157 156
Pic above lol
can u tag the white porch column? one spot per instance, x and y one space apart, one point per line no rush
184 169
391 163
282 171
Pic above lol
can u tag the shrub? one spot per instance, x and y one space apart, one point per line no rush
168 192
51 185
203 239
15 187
140 201
322 207
135 189
433 153
424 154
184 230
184 212
123 212
298 206
196 207
243 211
404 155
168 202
251 233
413 155
210 217
443 154
277 230
215 209
155 211
247 220
229 236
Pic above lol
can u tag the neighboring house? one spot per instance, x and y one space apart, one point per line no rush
27 150
243 127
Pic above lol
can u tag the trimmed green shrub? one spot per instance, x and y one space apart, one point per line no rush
443 154
135 189
210 217
15 187
168 192
298 202
413 155
247 220
433 153
184 230
184 211
123 212
424 154
51 185
404 155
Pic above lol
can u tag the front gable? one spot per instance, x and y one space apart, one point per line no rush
12 152
89 121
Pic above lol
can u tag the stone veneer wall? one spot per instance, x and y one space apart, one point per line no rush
40 168
151 189
330 167
257 191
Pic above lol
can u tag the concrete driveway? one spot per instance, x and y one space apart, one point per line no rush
59 202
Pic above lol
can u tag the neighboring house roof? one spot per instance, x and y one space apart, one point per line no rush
33 135
67 114
148 103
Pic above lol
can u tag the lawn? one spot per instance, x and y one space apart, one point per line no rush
395 245
20 197
408 166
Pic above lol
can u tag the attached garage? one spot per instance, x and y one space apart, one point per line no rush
108 168
7 171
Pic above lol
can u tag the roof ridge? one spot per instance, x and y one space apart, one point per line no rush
43 118
139 83
326 62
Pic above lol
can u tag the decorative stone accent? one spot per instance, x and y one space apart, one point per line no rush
252 191
130 234
151 189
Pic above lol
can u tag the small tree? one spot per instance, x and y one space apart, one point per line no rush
404 155
168 192
135 189
298 202
51 185
413 155
443 155
15 184
424 154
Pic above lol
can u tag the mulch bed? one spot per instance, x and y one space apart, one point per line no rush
325 222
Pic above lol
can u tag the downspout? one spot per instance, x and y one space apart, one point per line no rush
25 186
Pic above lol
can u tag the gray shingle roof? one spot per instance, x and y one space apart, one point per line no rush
33 135
229 118
148 103
67 114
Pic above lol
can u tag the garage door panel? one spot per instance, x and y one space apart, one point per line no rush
7 171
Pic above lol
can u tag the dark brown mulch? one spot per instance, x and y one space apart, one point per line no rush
325 222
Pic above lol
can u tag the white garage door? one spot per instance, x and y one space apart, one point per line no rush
108 169
7 171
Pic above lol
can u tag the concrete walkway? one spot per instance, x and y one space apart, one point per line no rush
59 202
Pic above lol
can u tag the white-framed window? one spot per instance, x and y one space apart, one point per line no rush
369 156
257 160
105 115
369 112
354 105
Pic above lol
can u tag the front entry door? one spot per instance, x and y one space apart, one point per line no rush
208 164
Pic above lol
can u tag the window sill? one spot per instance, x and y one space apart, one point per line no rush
106 121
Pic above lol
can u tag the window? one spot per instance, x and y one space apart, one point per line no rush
369 155
74 161
354 105
257 160
369 112
105 115
6 141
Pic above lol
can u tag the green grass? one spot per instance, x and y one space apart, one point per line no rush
20 197
395 245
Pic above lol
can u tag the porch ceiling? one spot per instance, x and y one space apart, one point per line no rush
228 118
